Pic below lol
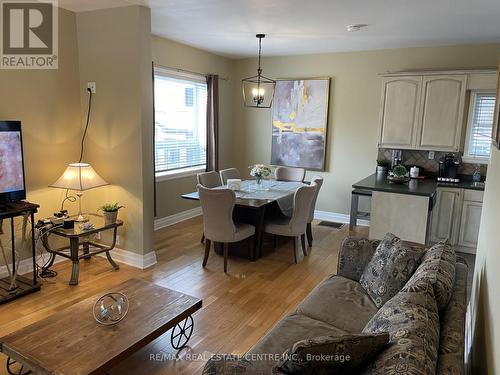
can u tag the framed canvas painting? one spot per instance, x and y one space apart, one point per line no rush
300 123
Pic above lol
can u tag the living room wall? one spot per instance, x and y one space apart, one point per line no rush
174 55
354 107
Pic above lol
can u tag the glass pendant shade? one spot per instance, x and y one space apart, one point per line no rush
258 91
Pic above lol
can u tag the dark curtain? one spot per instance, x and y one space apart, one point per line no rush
212 122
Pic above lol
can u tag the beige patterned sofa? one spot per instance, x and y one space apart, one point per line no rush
340 306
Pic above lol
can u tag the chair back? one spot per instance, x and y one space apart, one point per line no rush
217 206
302 201
290 174
209 179
319 182
229 173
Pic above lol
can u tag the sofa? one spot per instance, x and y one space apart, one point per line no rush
340 305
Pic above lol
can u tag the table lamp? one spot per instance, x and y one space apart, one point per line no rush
79 177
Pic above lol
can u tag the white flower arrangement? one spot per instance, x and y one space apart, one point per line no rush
260 171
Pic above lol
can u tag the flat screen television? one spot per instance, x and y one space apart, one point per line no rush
12 184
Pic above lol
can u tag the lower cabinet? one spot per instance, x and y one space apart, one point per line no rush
457 217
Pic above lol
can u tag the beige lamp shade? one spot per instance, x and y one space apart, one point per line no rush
79 177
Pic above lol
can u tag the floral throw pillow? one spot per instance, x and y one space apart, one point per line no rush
390 268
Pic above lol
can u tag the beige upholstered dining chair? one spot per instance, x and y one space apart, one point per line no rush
226 174
289 174
209 179
295 226
319 182
218 225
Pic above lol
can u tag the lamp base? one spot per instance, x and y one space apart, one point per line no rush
81 218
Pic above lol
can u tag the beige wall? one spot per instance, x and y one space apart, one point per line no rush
47 102
175 55
115 52
354 107
484 308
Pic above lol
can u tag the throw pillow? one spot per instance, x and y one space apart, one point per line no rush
438 266
411 317
227 365
390 268
331 354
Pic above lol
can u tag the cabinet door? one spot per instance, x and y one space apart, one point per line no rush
400 111
445 215
442 106
469 226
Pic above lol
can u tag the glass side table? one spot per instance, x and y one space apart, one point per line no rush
82 244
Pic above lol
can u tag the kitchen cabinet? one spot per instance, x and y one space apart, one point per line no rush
457 217
400 111
422 112
447 209
442 106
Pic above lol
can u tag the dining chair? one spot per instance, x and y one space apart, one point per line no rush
210 180
226 174
290 174
217 206
294 226
319 182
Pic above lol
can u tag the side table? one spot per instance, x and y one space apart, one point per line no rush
81 246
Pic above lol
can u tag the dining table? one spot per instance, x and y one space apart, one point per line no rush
255 202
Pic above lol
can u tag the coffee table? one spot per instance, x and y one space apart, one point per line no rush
72 342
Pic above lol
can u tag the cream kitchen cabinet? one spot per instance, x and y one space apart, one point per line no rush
422 112
457 217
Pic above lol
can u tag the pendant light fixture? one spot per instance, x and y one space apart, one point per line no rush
258 91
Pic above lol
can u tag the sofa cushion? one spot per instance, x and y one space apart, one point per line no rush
355 253
438 266
227 365
332 354
283 335
411 317
340 302
390 268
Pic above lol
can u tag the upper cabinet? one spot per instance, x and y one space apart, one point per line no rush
400 111
422 112
442 106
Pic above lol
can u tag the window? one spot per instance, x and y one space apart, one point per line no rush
180 123
478 141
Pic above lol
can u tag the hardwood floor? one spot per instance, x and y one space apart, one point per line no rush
238 307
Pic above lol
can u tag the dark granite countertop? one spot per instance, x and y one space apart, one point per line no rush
423 187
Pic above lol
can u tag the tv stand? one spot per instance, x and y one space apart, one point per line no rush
25 285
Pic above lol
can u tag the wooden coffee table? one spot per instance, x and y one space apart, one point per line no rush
72 342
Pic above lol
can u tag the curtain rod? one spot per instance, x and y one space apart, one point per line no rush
188 71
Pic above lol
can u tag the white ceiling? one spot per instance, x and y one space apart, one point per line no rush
228 27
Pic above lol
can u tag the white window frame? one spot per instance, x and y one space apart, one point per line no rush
466 158
187 171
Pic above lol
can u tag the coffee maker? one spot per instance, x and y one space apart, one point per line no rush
448 168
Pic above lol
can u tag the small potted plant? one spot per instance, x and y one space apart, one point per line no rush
382 166
259 171
399 174
110 212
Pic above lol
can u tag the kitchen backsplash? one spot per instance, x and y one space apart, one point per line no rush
420 159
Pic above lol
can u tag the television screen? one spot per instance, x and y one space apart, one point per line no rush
11 162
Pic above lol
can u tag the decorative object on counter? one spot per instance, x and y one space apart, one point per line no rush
382 166
300 123
260 171
476 176
234 184
258 91
110 212
110 308
398 175
414 172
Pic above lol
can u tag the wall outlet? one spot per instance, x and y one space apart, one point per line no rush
431 155
117 239
92 87
98 236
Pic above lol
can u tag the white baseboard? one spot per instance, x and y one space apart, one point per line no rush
26 266
338 218
176 218
133 259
